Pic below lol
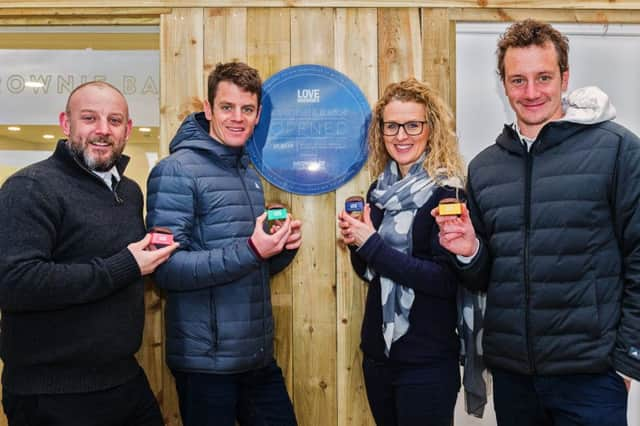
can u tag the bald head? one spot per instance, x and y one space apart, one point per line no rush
101 85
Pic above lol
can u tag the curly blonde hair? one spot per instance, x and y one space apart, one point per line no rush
443 159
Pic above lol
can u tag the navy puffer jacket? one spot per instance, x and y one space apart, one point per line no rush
560 249
218 317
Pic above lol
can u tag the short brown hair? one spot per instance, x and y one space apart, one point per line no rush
531 32
443 158
238 73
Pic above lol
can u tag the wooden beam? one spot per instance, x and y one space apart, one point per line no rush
95 41
269 50
80 10
314 269
181 69
548 15
81 16
80 20
59 5
356 56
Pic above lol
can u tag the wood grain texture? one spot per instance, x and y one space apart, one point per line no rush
568 15
95 41
269 47
181 70
400 45
314 297
519 4
225 37
356 56
436 51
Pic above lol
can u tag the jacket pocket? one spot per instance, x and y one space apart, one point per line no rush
188 324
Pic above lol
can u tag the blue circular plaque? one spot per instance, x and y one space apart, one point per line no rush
312 134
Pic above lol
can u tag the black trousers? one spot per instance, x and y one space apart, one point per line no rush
130 404
412 395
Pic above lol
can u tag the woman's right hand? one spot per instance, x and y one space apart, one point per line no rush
353 231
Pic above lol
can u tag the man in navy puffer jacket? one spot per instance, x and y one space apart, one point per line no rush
555 242
219 324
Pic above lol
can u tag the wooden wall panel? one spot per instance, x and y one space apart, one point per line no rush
314 299
400 45
437 42
269 47
181 69
151 353
269 41
225 31
355 56
182 66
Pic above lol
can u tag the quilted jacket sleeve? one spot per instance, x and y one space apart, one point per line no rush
172 197
626 355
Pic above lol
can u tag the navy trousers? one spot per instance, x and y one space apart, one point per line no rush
412 395
254 398
130 404
563 400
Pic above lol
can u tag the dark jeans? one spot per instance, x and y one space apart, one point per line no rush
130 404
412 395
256 398
564 400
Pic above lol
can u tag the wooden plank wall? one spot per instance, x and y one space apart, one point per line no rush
318 301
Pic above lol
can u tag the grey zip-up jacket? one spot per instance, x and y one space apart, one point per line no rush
560 247
218 317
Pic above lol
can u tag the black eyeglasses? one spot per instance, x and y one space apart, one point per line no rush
411 128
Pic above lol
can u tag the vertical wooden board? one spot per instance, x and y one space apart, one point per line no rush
269 41
312 36
225 38
399 48
355 56
452 65
150 355
314 298
268 47
181 67
436 50
182 58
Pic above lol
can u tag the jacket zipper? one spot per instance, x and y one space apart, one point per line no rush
115 193
115 188
265 284
527 228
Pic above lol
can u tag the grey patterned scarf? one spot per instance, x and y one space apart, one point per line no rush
400 199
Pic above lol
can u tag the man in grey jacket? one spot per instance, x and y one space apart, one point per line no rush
219 323
553 237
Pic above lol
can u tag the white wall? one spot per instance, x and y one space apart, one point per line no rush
607 56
